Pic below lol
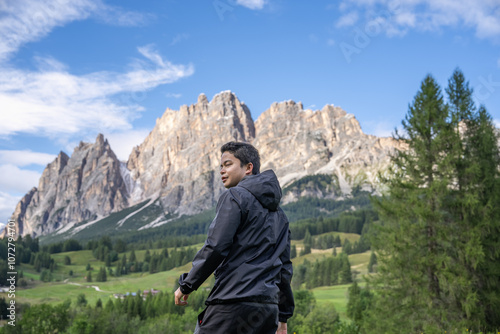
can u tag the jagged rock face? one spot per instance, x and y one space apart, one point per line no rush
179 159
297 142
75 189
179 162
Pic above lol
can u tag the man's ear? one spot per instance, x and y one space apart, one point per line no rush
249 169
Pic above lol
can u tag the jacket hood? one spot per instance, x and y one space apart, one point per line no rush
265 187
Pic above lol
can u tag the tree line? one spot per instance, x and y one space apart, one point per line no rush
156 314
347 222
325 272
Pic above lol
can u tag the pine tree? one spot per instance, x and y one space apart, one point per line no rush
347 247
132 256
359 301
98 303
308 238
120 246
81 300
475 209
372 262
293 252
124 265
439 241
147 256
306 250
353 305
345 270
409 244
118 271
109 306
37 263
101 276
337 241
487 217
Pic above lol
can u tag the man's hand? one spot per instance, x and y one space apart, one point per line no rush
180 298
281 328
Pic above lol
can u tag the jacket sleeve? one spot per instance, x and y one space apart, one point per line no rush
286 302
217 246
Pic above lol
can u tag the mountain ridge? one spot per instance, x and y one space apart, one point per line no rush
176 166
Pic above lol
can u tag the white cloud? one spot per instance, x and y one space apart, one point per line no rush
48 64
252 4
52 101
398 16
28 20
347 20
25 21
118 17
379 129
16 180
7 206
330 42
122 143
25 158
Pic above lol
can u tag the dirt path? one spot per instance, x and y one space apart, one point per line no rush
88 286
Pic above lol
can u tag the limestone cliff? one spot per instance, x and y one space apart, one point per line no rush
86 186
179 159
297 142
178 162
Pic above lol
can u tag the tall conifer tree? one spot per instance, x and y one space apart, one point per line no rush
409 244
438 246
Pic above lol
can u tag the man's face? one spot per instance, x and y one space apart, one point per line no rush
231 171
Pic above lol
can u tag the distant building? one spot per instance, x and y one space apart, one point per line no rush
122 296
146 293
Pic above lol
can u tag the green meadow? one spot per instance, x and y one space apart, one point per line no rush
65 286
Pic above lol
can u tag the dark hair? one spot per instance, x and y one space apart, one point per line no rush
244 152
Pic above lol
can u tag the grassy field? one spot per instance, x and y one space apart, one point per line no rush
66 287
318 254
336 295
56 292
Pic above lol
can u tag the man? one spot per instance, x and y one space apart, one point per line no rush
248 247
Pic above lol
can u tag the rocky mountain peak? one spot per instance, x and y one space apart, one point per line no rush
73 189
60 162
178 159
202 99
297 142
336 112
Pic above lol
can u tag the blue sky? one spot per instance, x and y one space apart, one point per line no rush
70 69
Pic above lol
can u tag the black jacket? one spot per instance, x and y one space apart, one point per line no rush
248 246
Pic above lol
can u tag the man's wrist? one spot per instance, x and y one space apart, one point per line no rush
184 290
